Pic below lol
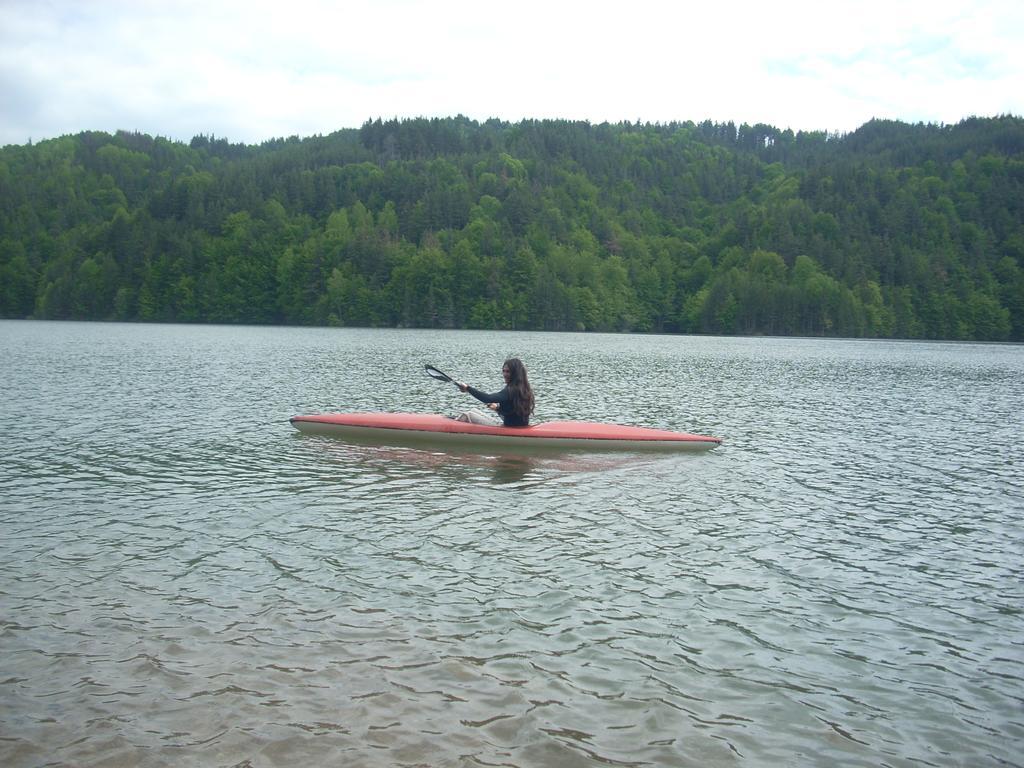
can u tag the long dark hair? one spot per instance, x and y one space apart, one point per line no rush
519 388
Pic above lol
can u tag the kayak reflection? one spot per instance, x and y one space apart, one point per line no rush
498 468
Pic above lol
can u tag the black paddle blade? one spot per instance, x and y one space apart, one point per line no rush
434 373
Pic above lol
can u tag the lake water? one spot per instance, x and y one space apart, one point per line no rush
187 580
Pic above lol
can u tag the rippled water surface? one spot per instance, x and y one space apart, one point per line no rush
186 580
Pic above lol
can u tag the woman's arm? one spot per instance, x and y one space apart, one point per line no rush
496 401
483 397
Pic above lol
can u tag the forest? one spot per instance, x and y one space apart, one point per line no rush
894 230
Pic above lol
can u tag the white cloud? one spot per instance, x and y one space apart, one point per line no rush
249 71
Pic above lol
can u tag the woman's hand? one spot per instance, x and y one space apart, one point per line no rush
493 406
462 386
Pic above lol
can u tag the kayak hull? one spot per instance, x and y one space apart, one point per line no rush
441 431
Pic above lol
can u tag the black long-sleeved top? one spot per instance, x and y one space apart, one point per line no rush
504 401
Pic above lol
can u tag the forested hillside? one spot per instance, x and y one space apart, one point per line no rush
894 230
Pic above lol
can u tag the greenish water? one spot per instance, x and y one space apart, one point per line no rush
186 580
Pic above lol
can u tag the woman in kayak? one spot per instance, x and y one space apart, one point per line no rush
514 403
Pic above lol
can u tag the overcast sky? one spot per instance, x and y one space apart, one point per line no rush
250 70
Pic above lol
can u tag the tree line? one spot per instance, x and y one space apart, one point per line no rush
893 230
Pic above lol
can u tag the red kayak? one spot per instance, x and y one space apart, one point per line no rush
442 431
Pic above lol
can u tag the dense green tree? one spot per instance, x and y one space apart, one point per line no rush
894 230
